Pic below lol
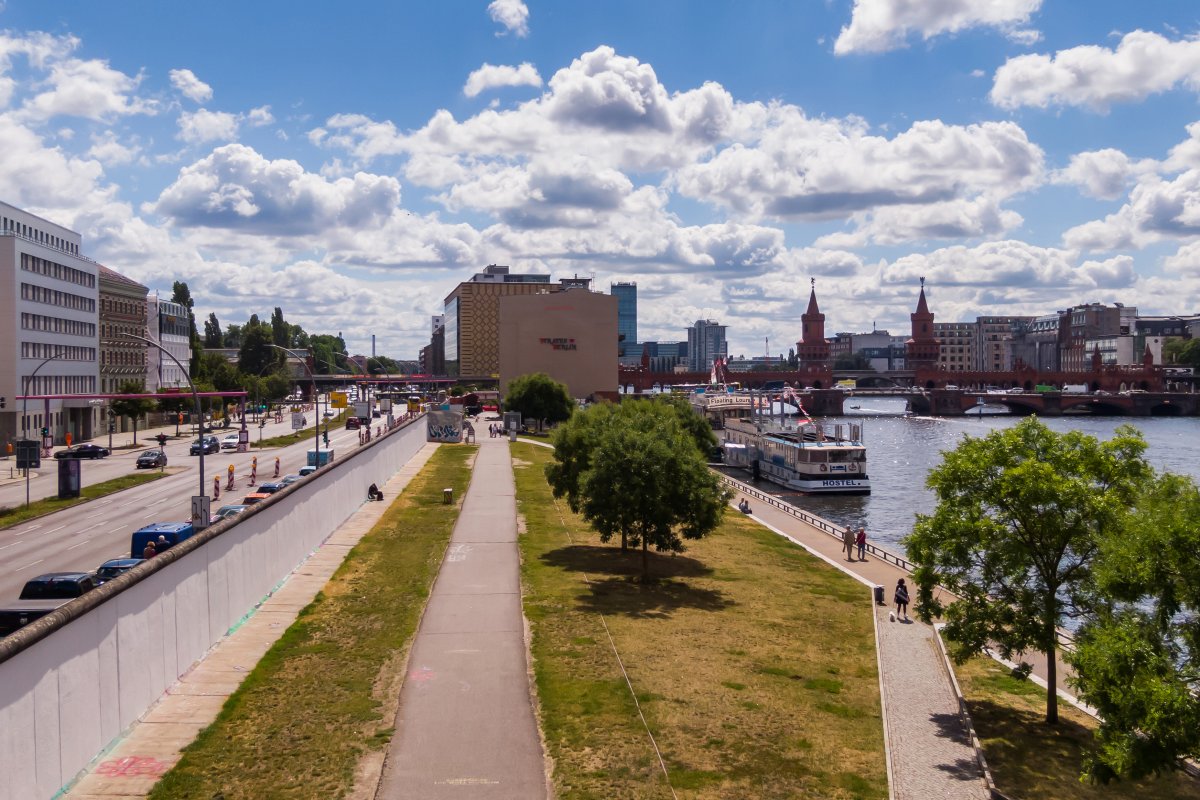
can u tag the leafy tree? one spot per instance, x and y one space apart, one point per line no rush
281 332
1020 516
132 408
644 479
852 361
180 293
233 336
212 332
256 353
1138 660
540 397
695 425
1184 352
793 360
277 385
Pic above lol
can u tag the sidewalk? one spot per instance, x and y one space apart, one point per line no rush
929 752
465 726
151 747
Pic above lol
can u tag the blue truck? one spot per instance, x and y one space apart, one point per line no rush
173 532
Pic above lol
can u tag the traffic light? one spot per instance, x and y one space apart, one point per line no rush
162 439
3 402
45 431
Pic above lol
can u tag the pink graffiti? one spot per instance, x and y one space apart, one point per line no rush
133 767
421 675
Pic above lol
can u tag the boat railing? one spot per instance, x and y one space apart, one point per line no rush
823 525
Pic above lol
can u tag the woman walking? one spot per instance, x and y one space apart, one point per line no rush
901 598
861 541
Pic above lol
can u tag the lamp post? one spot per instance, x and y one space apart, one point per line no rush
199 416
25 411
316 401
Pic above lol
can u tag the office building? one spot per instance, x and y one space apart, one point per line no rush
706 343
49 343
169 327
956 345
626 294
122 311
569 335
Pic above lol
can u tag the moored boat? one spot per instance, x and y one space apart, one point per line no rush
811 458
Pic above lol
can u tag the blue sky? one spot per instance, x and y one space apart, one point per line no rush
353 162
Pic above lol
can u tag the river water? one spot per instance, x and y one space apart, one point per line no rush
902 449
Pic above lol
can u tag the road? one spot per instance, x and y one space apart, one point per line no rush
84 536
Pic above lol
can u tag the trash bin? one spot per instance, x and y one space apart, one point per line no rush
448 499
879 601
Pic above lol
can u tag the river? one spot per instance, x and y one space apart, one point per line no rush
902 449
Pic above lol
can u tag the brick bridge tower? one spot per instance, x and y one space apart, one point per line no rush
923 349
812 349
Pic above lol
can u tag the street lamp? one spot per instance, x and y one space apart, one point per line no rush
316 402
199 415
25 412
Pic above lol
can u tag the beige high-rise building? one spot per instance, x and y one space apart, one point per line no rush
956 340
472 312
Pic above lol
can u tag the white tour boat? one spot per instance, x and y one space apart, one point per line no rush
810 457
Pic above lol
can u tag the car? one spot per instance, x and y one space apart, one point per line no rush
329 413
208 443
288 480
254 497
304 472
1101 392
150 459
225 512
375 413
58 586
14 616
173 532
230 441
114 567
271 487
951 387
84 450
353 423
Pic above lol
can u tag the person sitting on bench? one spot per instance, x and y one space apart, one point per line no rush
373 493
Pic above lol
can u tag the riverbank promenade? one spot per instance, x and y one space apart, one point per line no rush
465 724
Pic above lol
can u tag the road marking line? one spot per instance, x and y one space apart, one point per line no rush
52 530
27 566
85 541
89 527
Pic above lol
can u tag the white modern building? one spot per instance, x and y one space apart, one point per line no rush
169 326
49 339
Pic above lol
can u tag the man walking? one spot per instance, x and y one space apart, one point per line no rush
848 543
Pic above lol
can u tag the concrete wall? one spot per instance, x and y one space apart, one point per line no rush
71 682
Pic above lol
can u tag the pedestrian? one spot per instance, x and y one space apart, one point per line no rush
148 551
901 598
848 543
861 541
162 543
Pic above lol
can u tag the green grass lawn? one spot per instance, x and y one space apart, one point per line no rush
753 662
1034 761
298 725
39 508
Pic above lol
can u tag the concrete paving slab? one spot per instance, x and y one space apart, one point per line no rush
481 568
467 613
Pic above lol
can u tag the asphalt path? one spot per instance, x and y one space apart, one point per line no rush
82 537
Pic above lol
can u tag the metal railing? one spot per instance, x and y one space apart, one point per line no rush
823 525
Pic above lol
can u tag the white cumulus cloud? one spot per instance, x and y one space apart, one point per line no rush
197 127
191 87
880 25
512 14
1158 209
1096 77
492 76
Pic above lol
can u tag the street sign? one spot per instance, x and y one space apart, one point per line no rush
243 440
200 511
337 399
297 420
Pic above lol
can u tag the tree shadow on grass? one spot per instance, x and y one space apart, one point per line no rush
615 585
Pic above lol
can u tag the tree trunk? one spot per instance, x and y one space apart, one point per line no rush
624 542
1051 663
134 431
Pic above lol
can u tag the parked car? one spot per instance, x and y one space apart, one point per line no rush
254 497
225 512
14 616
353 423
288 480
230 441
208 443
272 487
85 450
58 586
304 472
114 567
151 458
